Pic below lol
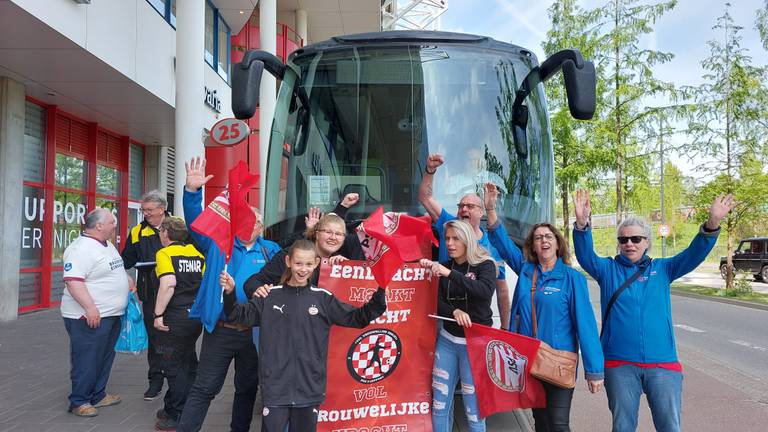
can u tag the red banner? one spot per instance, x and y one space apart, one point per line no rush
501 368
380 377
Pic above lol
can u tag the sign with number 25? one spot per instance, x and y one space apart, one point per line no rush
230 131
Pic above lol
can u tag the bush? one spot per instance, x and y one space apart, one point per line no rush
742 283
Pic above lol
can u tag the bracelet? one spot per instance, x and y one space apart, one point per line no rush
490 208
426 170
157 315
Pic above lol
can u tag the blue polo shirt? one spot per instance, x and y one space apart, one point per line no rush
484 242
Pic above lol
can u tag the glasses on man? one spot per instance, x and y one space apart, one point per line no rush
541 237
149 210
634 239
333 233
470 206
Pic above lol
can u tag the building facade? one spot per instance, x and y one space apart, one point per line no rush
100 99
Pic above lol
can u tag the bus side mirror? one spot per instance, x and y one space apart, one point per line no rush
246 79
580 84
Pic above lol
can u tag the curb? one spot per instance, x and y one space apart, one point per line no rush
727 300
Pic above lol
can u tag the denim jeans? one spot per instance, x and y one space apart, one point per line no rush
178 360
662 387
556 416
216 353
451 365
91 353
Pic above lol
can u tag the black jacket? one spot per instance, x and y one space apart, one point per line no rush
140 248
293 342
472 294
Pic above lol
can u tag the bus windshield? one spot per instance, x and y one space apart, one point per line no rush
373 114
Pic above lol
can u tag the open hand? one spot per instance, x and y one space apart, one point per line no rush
196 177
313 216
582 207
720 207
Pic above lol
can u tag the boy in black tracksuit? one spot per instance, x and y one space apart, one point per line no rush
295 321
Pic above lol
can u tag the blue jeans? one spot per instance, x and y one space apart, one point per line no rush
91 353
451 365
662 387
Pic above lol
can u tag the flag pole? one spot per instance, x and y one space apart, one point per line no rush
441 318
222 287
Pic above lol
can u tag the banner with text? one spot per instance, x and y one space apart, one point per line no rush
380 377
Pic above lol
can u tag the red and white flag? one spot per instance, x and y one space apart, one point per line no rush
391 239
501 368
229 215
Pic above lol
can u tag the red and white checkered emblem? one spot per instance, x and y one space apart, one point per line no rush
373 355
506 366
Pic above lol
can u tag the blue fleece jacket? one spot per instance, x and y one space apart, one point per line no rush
564 316
244 263
639 328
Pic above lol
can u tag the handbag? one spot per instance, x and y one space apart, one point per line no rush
133 335
557 367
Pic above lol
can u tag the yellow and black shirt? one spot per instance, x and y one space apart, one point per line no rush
140 249
187 264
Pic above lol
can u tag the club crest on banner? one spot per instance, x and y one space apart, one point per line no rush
505 366
374 355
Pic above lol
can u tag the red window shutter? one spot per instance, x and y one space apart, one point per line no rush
72 136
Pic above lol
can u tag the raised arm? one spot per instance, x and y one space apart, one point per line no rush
508 250
425 187
703 242
582 237
193 198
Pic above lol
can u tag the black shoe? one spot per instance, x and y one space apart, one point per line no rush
162 415
153 392
168 424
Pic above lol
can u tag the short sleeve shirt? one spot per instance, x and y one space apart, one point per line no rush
100 267
187 264
484 242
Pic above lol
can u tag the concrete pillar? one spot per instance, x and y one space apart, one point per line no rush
12 113
267 91
301 24
190 83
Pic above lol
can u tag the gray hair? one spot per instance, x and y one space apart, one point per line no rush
636 221
96 216
155 196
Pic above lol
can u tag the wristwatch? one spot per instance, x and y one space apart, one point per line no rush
157 315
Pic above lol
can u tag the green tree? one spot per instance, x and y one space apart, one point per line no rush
575 156
727 125
761 24
630 68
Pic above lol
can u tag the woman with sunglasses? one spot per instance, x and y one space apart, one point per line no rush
638 338
551 303
467 283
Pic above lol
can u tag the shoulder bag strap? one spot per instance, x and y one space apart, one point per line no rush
616 294
533 306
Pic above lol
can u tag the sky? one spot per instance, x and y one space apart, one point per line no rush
683 31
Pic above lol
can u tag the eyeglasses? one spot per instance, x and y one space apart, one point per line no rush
467 205
635 239
149 210
541 238
333 233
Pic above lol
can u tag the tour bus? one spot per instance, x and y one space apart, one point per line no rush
361 113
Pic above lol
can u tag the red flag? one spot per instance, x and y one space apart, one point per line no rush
501 368
229 215
390 239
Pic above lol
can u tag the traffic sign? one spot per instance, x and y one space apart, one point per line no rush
664 230
230 131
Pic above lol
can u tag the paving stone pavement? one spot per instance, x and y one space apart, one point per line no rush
34 385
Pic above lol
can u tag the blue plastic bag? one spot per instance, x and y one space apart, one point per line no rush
133 336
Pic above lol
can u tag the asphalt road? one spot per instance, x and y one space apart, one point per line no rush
724 351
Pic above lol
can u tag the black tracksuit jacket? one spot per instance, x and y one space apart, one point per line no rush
293 342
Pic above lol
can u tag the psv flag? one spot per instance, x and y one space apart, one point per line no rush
391 239
229 215
501 368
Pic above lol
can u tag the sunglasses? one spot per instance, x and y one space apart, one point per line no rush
635 239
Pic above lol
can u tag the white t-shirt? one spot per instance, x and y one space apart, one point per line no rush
100 266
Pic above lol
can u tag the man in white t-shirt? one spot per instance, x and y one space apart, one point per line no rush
95 298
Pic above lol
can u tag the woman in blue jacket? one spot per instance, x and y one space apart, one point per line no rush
564 317
638 338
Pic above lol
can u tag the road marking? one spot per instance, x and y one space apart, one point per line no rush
749 345
689 328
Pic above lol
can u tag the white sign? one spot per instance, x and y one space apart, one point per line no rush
664 230
230 131
319 190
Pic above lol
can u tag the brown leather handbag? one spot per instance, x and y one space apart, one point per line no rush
557 367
